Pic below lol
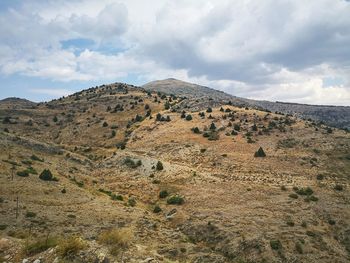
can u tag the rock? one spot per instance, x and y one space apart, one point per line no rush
171 214
25 260
56 260
37 261
4 244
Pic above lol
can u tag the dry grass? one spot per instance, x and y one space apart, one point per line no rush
70 246
116 239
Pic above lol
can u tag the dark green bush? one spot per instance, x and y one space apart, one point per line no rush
260 153
30 214
46 175
294 196
338 187
159 166
275 244
189 117
157 209
23 173
163 194
175 200
196 130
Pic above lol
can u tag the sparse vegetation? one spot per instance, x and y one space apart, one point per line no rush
175 200
260 153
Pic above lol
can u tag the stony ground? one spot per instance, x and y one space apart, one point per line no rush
290 206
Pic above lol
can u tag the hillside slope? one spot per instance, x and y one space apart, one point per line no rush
146 177
336 116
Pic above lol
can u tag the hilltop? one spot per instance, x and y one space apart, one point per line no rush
143 175
336 116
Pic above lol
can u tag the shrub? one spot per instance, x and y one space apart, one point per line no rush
237 127
196 130
131 201
163 194
157 209
116 239
40 245
175 200
46 175
338 187
298 248
203 150
30 214
331 222
320 177
36 158
117 197
113 133
189 117
159 166
105 124
212 126
55 119
260 153
23 173
294 196
209 110
254 127
131 163
275 244
283 188
31 170
304 191
70 246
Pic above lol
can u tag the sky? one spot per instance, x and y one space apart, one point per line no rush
294 51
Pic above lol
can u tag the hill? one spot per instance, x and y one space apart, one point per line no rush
336 116
141 176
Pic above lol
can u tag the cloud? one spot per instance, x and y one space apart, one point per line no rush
285 50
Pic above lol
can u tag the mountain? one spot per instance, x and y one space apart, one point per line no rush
118 173
336 116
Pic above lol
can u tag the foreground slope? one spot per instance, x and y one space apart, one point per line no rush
337 116
138 179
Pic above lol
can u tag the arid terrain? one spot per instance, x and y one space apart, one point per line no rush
119 173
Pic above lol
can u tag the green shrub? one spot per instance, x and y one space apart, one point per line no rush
23 173
209 110
175 200
31 170
298 248
30 214
283 188
338 187
304 191
189 117
260 153
157 209
105 124
320 177
131 201
159 166
276 244
212 127
163 194
36 158
196 130
237 127
131 163
331 222
46 175
117 197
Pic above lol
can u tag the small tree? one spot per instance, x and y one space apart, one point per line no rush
46 175
183 115
189 117
159 166
105 124
260 153
209 110
212 126
159 117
